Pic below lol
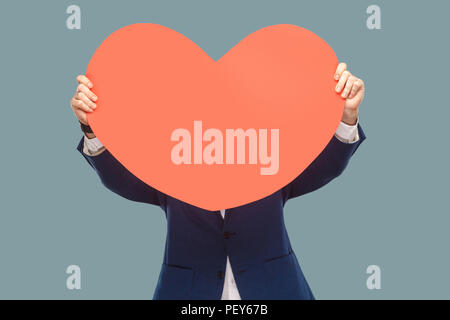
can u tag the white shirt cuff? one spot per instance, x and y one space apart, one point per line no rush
347 133
92 146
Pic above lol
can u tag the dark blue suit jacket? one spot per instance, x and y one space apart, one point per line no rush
254 235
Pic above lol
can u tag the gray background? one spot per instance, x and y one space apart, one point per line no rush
389 208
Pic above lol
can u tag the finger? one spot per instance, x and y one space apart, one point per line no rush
83 97
357 86
341 83
348 87
84 80
340 70
79 104
82 116
83 88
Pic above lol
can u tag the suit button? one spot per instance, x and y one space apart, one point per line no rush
220 275
228 234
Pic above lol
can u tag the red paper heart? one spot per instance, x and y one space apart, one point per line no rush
152 80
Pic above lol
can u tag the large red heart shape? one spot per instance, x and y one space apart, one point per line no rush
151 81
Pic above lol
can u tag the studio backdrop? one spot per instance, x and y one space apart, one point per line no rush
378 231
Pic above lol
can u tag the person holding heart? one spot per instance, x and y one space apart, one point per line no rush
237 253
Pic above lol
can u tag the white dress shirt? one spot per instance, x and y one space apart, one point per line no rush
345 133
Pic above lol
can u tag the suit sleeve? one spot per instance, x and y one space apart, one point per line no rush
330 163
119 180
